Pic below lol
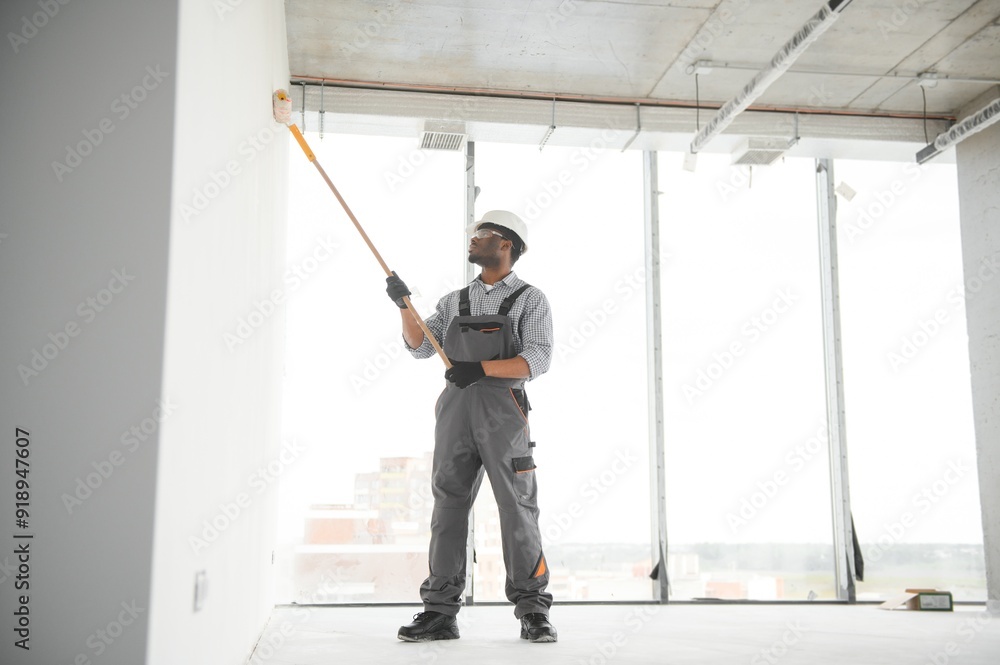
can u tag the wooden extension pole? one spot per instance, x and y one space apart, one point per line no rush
406 299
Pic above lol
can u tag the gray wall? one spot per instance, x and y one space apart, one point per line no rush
143 421
66 235
979 200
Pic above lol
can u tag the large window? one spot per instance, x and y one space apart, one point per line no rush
746 444
911 445
748 494
583 207
355 505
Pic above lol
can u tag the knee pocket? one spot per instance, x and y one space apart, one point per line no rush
523 481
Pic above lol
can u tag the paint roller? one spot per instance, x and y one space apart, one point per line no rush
282 105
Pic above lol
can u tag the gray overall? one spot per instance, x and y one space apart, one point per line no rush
484 426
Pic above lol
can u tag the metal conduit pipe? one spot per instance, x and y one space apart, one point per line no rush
916 76
976 122
782 60
302 80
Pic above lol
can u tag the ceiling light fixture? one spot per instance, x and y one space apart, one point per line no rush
782 60
700 67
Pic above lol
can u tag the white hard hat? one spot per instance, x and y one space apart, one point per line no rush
506 219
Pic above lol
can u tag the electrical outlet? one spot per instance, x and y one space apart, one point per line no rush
200 589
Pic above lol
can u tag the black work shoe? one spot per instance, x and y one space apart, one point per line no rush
429 626
535 627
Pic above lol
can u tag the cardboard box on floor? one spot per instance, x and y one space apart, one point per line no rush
920 599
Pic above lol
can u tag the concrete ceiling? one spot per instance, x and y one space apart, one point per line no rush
640 49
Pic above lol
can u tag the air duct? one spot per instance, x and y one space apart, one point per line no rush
760 151
443 136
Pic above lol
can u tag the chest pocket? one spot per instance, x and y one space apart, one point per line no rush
485 337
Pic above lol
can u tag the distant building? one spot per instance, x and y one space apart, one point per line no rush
374 550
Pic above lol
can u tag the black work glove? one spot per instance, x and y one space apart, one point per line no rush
464 374
396 290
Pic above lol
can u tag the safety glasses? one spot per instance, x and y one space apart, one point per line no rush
482 234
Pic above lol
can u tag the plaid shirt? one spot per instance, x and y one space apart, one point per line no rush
530 315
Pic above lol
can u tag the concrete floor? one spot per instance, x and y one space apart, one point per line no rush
676 634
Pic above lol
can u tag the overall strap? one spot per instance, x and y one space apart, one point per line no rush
509 300
463 302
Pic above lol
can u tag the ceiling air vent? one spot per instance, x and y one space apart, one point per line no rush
760 151
443 136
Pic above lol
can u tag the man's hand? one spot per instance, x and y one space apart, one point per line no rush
464 374
396 290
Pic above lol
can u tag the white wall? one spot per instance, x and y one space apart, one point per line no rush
142 399
60 243
979 201
226 254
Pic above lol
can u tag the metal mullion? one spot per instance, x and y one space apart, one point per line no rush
469 271
843 529
654 361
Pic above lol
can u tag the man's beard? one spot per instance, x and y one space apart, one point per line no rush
484 261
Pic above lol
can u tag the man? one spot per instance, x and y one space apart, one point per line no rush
497 333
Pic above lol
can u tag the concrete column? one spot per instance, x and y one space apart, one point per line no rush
979 202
